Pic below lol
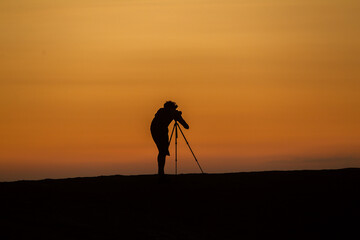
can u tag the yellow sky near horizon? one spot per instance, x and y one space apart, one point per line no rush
264 84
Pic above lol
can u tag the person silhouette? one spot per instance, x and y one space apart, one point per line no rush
160 132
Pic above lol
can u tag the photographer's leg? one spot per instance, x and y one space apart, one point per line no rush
161 163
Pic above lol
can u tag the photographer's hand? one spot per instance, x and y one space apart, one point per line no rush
182 121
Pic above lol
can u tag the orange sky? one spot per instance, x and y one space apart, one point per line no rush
263 84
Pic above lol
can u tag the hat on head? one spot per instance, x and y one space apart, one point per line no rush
170 104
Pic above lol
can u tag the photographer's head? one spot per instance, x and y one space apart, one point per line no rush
170 105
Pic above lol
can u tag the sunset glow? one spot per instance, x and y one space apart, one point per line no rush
263 84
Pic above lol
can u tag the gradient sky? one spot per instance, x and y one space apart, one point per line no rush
263 84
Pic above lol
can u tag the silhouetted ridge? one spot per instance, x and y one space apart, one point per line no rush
281 204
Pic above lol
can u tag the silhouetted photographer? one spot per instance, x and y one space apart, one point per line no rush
159 131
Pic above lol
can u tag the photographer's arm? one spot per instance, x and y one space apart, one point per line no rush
179 118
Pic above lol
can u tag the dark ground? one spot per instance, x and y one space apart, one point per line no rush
257 205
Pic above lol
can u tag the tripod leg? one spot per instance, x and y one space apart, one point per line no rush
191 150
176 138
172 131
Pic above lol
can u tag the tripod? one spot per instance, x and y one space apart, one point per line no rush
175 129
